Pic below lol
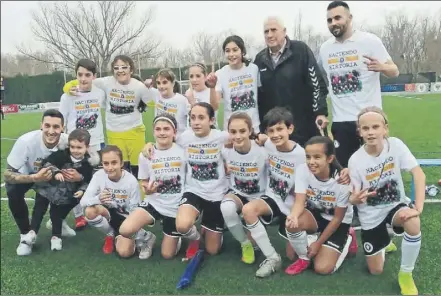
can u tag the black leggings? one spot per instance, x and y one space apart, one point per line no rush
17 205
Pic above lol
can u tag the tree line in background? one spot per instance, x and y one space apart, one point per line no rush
101 30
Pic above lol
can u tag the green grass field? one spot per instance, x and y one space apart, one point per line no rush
82 268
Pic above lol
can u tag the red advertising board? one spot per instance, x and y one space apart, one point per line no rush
13 108
410 87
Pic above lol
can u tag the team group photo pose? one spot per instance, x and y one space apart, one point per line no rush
234 165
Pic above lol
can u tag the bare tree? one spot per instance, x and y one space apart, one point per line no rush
308 35
96 31
12 65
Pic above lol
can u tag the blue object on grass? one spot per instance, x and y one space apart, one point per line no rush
190 270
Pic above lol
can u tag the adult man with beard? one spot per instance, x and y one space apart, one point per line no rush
23 170
290 78
353 61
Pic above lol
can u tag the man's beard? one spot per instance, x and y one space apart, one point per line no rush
341 31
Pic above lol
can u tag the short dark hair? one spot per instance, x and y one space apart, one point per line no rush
81 135
87 64
335 4
53 113
276 115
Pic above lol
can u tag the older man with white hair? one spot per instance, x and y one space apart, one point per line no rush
291 78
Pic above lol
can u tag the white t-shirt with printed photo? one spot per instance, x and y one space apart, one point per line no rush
324 196
351 86
282 167
29 150
383 173
167 168
84 111
205 165
248 172
239 92
125 193
122 102
176 106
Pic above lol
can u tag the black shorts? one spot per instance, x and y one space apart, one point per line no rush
168 223
242 198
337 240
276 215
212 218
376 239
116 219
346 140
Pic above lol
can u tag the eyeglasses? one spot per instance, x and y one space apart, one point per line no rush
116 68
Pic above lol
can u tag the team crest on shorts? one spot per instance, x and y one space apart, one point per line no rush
183 200
368 247
336 144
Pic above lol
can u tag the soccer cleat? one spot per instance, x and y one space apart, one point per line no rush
56 244
80 223
248 253
192 249
269 266
297 267
108 244
353 247
391 247
407 284
146 250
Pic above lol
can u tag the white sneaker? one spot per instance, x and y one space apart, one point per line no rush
66 230
147 249
269 266
56 244
26 242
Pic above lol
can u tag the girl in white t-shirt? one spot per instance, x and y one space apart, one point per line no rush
378 192
247 167
236 83
111 195
163 179
321 206
171 102
198 91
205 183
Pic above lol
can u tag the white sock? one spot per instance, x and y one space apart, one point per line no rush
259 234
299 242
410 249
102 225
192 234
232 220
78 211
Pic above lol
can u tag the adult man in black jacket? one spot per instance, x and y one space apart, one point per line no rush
290 77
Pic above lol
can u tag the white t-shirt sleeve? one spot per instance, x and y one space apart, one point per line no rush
406 158
92 195
102 82
143 167
225 136
356 181
18 155
147 95
379 50
135 197
65 107
301 179
343 196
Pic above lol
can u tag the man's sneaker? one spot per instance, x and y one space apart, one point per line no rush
298 266
108 244
192 249
391 247
26 242
66 231
56 244
407 284
269 266
147 249
248 253
353 247
80 223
